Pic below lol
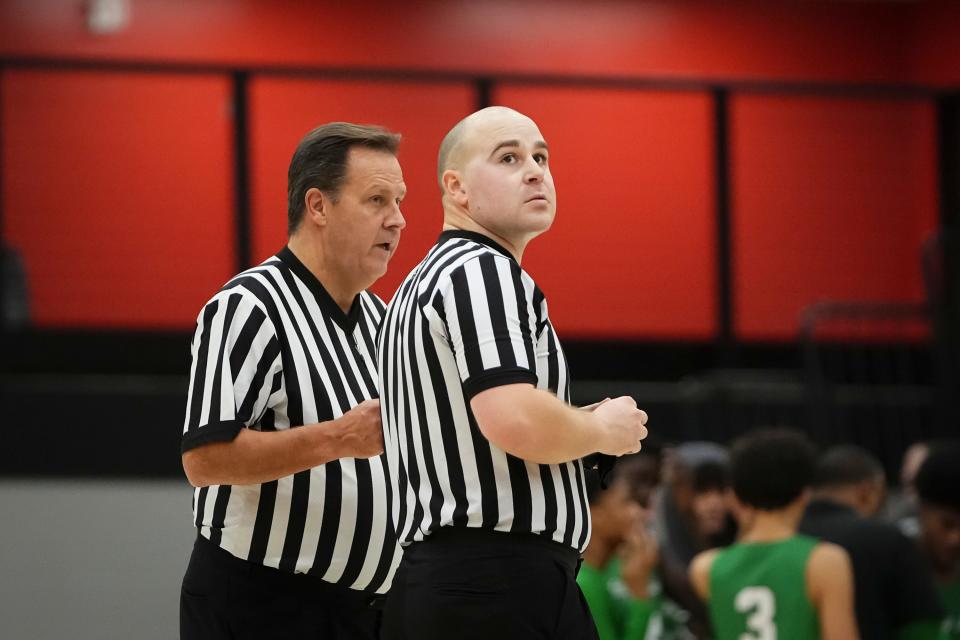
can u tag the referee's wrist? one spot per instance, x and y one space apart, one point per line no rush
326 441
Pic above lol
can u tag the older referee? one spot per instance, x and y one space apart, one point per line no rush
483 451
282 431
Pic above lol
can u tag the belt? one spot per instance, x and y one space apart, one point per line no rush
453 538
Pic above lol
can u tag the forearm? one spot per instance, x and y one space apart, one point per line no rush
534 425
254 457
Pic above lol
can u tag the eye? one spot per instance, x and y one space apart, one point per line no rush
399 200
541 158
508 158
377 200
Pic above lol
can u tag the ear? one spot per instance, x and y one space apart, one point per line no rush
453 187
316 206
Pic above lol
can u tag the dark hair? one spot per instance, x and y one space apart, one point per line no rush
938 480
320 161
846 465
710 475
771 467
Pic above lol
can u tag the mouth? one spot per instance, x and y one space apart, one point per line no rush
386 246
537 198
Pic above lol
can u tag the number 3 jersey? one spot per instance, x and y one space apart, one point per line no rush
759 591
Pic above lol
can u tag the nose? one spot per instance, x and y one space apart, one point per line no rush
535 171
395 219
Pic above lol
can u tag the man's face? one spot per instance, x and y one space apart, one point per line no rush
940 529
710 511
615 515
364 224
506 177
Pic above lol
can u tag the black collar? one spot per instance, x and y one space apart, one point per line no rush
475 237
346 321
826 505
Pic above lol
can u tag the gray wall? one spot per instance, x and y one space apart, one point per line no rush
91 559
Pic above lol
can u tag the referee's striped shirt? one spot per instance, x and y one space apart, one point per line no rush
466 319
272 351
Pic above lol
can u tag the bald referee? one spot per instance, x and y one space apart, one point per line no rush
282 432
483 450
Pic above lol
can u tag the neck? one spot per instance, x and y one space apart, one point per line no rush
310 253
456 218
838 495
768 526
598 552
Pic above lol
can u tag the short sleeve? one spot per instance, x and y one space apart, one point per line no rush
235 371
487 313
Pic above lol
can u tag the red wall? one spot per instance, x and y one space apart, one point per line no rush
118 187
832 200
667 38
102 197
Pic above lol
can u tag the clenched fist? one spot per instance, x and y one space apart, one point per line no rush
622 426
359 432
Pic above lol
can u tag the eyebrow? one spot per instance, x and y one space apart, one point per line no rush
539 144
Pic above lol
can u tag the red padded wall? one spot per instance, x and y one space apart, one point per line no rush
833 41
631 254
282 110
832 199
117 192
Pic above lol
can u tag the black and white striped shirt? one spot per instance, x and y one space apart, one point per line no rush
272 351
466 319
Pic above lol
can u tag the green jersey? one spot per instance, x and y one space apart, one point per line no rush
758 591
620 616
950 596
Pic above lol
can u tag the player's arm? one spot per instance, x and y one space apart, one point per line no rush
254 457
536 426
830 587
699 573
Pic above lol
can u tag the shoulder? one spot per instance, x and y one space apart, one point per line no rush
254 283
479 268
373 304
700 571
826 553
241 296
828 567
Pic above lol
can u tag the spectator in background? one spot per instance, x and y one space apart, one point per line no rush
938 490
618 575
692 515
618 563
893 590
773 582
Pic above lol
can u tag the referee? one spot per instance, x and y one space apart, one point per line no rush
483 451
282 434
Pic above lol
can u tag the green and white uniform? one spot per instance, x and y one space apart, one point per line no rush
758 591
950 596
621 616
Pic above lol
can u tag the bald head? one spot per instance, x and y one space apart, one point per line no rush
459 140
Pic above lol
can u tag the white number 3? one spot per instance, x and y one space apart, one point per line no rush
760 604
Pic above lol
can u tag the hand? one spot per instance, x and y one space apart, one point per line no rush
359 431
591 407
638 557
622 425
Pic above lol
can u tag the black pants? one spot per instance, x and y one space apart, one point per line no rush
224 597
468 583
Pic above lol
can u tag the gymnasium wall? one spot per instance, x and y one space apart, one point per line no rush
119 180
